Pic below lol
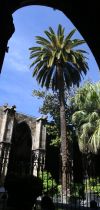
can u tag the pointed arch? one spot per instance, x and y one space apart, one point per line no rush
20 154
84 16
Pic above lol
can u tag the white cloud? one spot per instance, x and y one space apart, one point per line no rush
17 64
18 55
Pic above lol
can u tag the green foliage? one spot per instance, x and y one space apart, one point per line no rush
51 108
93 185
49 184
58 50
86 117
53 131
39 94
87 97
77 190
50 104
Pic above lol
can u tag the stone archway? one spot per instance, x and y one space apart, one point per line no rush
85 17
20 154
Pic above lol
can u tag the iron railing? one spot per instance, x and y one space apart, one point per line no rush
79 195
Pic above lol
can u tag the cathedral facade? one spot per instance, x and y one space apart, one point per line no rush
16 124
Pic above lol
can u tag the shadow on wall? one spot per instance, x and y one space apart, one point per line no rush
20 155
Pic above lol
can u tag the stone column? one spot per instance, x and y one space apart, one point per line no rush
3 126
36 146
5 140
39 146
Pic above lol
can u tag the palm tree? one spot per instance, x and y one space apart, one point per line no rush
87 117
59 65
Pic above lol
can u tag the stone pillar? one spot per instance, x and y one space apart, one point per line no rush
36 146
39 146
5 140
3 126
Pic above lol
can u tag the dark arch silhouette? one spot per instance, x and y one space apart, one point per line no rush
20 154
83 14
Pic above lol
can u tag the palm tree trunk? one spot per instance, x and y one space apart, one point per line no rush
64 139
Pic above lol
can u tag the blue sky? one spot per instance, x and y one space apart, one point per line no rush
16 82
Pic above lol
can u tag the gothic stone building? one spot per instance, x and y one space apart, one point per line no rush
32 144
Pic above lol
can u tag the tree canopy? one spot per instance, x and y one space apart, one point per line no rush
86 117
58 49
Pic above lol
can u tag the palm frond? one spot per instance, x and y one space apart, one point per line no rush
53 38
41 73
43 80
35 61
60 31
60 34
74 74
55 80
57 50
35 49
68 37
77 42
87 100
50 61
79 117
81 51
37 68
95 140
49 77
35 54
42 40
52 31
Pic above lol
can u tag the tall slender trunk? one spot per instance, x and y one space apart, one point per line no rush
64 138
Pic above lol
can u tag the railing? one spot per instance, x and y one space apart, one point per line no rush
79 195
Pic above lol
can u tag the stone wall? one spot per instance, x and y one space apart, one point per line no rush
37 126
9 121
31 121
1 116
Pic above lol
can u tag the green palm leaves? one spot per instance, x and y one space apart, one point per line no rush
58 50
87 117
